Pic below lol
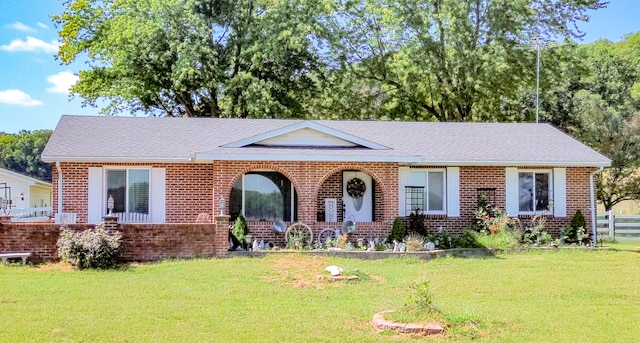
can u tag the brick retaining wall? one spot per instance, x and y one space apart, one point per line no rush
140 242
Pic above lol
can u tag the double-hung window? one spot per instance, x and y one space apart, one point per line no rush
129 189
534 191
433 200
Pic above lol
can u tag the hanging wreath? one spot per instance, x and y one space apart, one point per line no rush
356 187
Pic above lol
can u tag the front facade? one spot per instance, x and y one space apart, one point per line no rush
321 173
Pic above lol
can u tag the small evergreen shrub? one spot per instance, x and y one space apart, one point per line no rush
240 229
398 231
93 248
416 222
571 234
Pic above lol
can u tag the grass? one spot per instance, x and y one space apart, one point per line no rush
563 295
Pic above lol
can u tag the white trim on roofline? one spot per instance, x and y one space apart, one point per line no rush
307 124
511 164
305 158
111 159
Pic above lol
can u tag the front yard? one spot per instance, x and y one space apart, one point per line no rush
561 295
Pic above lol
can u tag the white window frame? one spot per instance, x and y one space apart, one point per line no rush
126 169
550 189
426 171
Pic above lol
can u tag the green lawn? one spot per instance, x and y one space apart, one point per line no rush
564 295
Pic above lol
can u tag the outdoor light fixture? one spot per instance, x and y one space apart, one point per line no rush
550 206
110 205
22 196
222 205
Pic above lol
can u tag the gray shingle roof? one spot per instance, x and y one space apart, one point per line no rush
129 139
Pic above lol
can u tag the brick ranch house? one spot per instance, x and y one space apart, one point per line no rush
320 173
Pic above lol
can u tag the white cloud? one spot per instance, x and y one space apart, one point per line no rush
61 82
43 25
31 44
18 97
21 27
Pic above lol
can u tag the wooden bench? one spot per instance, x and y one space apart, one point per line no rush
22 255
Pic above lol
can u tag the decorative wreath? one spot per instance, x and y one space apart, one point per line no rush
356 187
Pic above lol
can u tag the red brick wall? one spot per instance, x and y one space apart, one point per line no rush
152 242
194 188
148 242
472 178
38 239
189 189
313 182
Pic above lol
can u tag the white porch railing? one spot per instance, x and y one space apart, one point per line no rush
132 217
31 214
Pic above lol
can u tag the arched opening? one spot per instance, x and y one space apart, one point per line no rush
263 196
333 195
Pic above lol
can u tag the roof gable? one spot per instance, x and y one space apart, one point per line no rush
306 134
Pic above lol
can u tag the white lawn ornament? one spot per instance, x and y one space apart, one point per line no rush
334 270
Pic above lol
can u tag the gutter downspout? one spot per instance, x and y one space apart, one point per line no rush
592 198
59 186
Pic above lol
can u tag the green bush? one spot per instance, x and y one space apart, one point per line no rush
93 248
468 239
398 231
421 299
240 229
571 234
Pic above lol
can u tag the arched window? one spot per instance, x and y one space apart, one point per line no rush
263 196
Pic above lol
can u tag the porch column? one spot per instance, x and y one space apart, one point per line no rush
221 236
110 222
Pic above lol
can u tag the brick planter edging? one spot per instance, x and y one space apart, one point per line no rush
414 328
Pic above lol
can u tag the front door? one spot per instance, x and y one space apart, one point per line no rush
357 196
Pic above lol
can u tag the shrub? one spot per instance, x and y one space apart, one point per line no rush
414 242
571 234
398 231
92 248
240 229
531 231
493 221
416 222
421 299
503 240
468 239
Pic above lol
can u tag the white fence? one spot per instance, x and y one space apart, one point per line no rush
31 214
619 227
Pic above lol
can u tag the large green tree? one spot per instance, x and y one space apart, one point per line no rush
446 60
21 153
234 58
606 112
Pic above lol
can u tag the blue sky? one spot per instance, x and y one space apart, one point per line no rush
34 86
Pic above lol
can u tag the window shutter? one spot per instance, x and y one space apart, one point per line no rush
158 195
94 196
453 191
403 180
511 187
560 192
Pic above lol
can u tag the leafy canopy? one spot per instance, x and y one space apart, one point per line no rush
234 58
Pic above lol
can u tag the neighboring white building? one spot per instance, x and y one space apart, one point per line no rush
20 192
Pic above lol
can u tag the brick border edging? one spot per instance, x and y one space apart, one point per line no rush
414 328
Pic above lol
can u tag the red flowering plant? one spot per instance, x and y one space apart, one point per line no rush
493 220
